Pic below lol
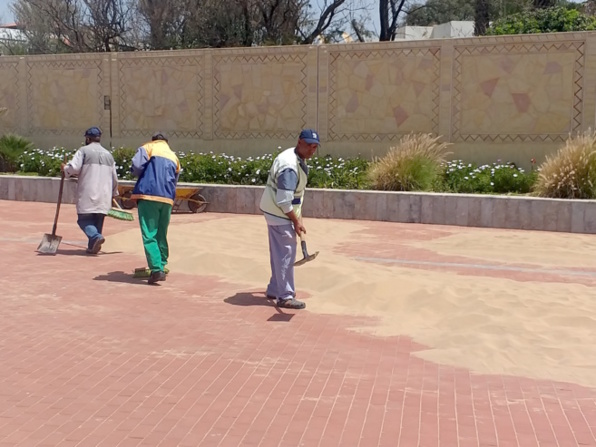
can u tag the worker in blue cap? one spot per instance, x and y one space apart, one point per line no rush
281 204
97 184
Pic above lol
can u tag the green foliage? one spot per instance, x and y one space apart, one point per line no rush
45 163
11 147
224 169
496 178
123 159
435 12
571 172
328 172
416 164
550 20
413 165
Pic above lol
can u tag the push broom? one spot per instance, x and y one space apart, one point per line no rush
118 213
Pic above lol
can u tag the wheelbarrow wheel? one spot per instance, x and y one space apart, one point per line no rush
127 203
198 206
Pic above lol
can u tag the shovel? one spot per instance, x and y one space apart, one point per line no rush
50 242
307 257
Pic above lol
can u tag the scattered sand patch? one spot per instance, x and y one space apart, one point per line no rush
490 325
555 250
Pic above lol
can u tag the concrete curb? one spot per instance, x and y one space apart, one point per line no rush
525 213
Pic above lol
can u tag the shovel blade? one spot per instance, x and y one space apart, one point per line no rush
49 244
306 259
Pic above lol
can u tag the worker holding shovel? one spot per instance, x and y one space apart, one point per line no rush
281 204
97 185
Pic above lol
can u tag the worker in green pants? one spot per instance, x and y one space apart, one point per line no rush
157 168
154 218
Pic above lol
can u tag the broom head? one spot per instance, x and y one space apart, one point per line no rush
120 214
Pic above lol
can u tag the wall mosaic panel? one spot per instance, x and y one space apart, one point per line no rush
380 95
161 93
9 92
65 95
260 96
524 92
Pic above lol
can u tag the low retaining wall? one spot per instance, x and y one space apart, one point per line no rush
572 216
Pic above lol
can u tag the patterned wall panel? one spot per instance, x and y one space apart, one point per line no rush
260 95
517 92
9 92
65 94
161 93
378 95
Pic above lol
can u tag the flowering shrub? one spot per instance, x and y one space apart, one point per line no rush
328 172
224 169
324 171
500 178
43 162
123 159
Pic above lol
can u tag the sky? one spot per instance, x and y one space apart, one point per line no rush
5 13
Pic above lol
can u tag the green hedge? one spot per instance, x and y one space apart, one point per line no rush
325 171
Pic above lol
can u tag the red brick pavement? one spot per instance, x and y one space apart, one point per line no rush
91 357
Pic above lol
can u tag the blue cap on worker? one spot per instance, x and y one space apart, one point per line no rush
93 132
310 136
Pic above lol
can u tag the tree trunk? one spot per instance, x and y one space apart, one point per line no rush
481 17
384 34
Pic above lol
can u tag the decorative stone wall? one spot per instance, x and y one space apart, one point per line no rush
507 97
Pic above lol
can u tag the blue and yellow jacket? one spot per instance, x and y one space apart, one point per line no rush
158 169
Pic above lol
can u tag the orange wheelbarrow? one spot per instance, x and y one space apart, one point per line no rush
195 201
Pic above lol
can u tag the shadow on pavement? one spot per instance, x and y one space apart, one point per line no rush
249 299
257 299
120 276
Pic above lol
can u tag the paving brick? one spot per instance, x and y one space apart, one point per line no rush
124 364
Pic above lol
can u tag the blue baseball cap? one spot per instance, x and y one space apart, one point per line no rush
93 132
310 136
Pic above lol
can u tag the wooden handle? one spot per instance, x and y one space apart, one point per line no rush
59 200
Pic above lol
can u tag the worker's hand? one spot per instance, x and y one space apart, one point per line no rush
299 228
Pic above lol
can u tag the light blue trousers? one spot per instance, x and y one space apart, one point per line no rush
282 255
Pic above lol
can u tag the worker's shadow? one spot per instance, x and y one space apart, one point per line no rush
83 252
257 299
120 276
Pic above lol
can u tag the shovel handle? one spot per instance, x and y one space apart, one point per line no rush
303 244
59 200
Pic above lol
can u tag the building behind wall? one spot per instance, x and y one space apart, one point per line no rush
453 29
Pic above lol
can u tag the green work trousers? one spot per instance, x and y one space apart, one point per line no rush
154 218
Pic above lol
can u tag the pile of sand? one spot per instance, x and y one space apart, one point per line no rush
489 325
